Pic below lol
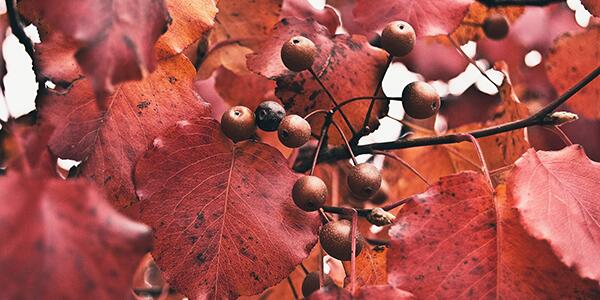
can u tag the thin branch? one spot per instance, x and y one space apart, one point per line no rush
484 168
304 269
345 141
16 26
491 3
289 280
561 134
539 118
322 138
353 230
335 103
471 61
404 163
377 90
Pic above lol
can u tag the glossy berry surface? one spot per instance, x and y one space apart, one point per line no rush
309 193
268 115
364 180
311 283
336 239
398 38
495 27
238 123
298 54
293 131
420 100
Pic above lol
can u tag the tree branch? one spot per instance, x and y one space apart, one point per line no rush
539 118
16 26
491 3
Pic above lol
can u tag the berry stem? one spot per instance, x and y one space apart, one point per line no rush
471 61
345 141
373 98
377 90
539 118
353 253
294 292
404 163
468 23
312 72
324 129
558 131
314 112
304 269
484 168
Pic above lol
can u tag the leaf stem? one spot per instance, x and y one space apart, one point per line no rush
484 168
404 163
470 60
353 252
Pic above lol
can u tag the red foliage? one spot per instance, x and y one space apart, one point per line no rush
427 17
566 213
61 239
458 239
224 221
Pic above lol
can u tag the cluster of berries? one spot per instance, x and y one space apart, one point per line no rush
419 99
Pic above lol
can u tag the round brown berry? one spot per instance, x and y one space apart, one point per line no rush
420 100
336 239
268 115
364 180
293 131
309 193
495 27
398 38
312 283
298 54
238 123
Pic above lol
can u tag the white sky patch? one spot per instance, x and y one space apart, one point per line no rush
533 58
470 49
318 4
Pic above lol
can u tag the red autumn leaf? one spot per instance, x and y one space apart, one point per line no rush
382 292
584 132
115 39
110 141
241 26
191 20
222 213
63 240
592 6
556 193
302 9
267 60
434 60
370 267
457 240
427 17
564 71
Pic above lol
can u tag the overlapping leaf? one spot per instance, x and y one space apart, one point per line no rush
457 240
191 21
114 39
60 239
564 71
301 9
224 221
347 65
370 267
110 141
240 27
469 30
427 17
557 195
